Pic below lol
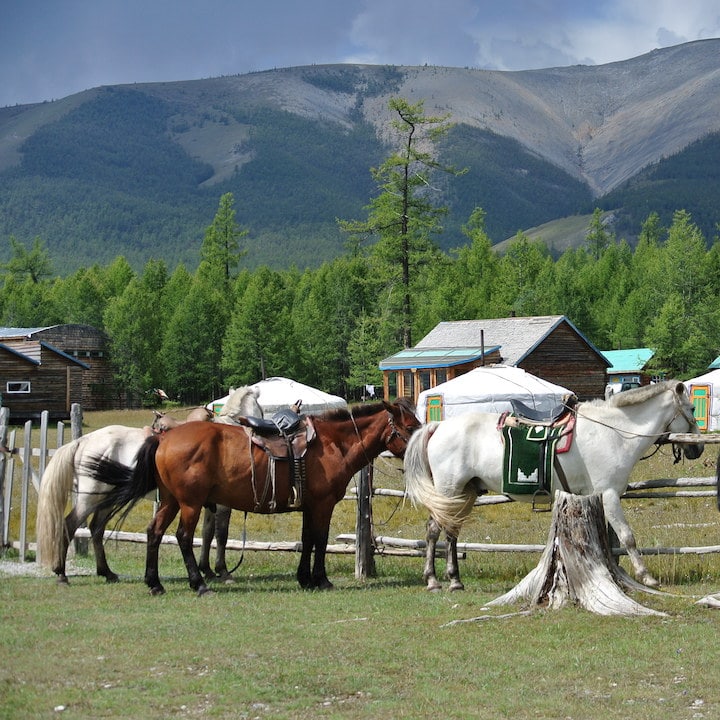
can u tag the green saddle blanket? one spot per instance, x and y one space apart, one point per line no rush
528 457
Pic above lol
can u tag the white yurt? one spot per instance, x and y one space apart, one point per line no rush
704 392
277 393
488 389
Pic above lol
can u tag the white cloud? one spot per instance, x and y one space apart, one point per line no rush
50 49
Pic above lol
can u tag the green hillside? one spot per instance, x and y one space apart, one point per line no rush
108 179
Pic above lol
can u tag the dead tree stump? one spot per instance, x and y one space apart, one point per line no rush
577 565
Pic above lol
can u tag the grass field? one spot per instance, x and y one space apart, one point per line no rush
262 648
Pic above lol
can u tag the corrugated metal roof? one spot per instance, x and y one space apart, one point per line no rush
18 332
632 360
434 357
517 336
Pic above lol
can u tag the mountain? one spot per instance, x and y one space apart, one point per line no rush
138 170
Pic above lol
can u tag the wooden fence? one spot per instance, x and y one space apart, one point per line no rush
18 455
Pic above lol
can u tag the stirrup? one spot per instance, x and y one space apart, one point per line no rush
547 502
294 498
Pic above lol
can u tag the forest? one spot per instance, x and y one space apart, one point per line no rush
197 333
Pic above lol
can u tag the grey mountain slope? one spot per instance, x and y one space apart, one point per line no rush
602 124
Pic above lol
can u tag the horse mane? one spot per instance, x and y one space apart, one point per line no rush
641 394
364 410
233 405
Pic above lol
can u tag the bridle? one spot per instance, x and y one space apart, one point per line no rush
389 434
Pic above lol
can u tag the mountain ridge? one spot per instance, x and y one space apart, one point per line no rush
600 125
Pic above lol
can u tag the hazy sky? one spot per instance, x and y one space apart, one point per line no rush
52 48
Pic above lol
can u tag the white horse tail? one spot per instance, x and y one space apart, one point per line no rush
55 487
449 512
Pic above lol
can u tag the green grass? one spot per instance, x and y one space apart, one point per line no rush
262 648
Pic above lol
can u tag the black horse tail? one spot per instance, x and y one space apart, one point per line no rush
129 484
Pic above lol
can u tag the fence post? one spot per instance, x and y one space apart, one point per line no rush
81 544
24 487
364 554
4 512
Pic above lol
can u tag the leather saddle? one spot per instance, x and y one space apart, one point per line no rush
284 437
522 414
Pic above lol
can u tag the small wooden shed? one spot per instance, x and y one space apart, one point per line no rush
549 347
83 343
39 377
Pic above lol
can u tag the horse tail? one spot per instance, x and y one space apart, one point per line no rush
55 487
449 512
128 484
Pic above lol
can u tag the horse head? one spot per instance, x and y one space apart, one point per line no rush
684 422
402 422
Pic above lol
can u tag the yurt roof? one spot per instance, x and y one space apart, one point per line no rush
490 389
276 393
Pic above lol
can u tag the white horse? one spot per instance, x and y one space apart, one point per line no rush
448 463
66 472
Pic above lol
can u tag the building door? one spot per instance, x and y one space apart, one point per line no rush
700 396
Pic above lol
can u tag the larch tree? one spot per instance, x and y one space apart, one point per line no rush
403 216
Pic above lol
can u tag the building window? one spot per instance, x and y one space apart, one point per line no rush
17 386
408 386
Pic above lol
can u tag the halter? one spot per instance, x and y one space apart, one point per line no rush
394 432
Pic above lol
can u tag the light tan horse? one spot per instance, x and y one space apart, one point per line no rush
65 472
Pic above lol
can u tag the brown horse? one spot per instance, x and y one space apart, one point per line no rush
200 464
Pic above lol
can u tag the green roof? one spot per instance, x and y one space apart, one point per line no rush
433 357
633 360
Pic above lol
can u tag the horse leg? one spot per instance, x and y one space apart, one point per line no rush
616 517
189 517
222 530
304 576
315 533
164 516
208 532
71 525
432 536
97 532
452 569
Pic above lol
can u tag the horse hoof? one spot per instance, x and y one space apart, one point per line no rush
204 590
112 578
456 585
62 580
650 581
158 590
433 586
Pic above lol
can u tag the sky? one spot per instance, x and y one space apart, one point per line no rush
50 49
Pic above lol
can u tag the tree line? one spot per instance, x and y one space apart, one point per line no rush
195 334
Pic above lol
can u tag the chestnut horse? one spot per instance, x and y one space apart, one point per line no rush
199 464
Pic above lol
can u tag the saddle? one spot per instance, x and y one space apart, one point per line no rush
524 415
532 439
284 437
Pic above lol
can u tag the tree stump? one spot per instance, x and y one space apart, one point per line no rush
577 565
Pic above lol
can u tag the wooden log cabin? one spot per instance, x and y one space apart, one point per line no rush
549 347
49 368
